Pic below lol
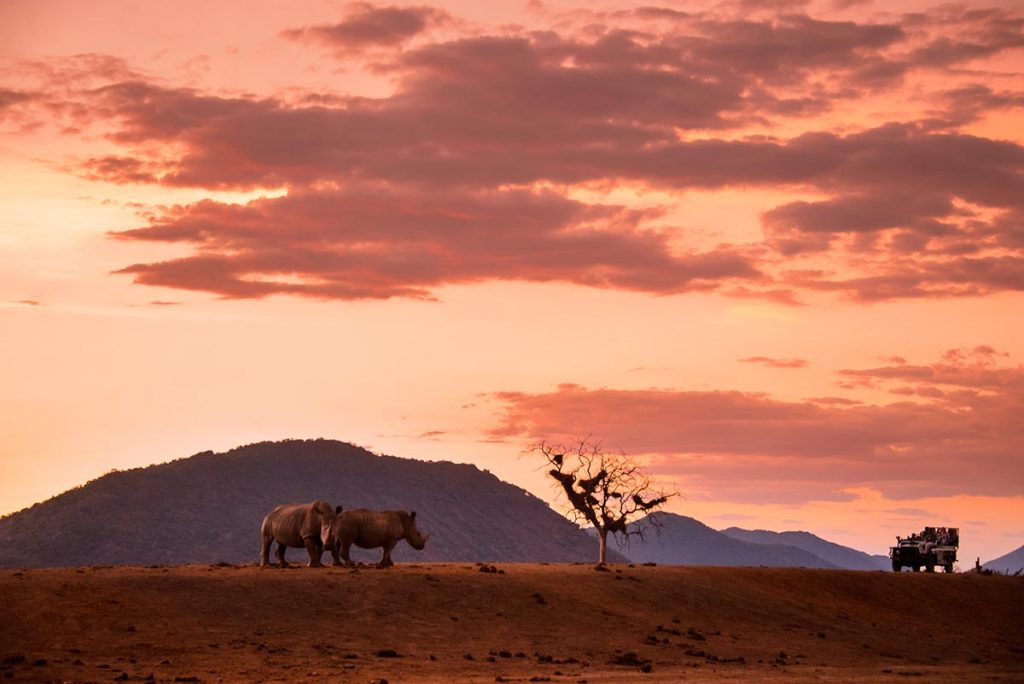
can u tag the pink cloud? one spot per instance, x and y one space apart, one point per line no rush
908 209
751 446
373 242
366 25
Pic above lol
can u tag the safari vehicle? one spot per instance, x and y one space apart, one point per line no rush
935 546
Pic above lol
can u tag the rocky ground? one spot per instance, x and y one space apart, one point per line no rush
511 622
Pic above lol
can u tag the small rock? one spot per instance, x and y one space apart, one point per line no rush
387 653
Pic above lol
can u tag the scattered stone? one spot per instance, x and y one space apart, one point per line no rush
504 654
41 662
388 653
14 659
646 667
123 677
539 598
432 657
650 564
468 656
628 659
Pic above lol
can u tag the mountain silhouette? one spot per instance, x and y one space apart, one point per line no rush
681 540
208 508
836 554
1011 562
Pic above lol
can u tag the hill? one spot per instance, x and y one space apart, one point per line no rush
558 623
208 508
1011 562
830 552
684 541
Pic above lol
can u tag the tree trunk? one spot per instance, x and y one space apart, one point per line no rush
602 553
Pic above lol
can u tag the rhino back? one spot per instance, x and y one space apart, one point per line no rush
371 529
289 523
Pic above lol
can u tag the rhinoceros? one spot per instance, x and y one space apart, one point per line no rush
377 529
313 526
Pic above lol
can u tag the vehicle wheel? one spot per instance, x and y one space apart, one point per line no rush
929 568
949 567
897 566
915 568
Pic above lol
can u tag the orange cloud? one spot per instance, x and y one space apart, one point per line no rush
751 447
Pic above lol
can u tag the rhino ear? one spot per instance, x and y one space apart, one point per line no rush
338 509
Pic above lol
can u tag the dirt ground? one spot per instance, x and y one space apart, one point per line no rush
511 622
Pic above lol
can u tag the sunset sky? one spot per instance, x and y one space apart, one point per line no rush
777 254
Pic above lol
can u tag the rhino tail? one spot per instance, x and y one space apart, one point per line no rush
266 539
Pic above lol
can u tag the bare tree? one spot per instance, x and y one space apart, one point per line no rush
604 488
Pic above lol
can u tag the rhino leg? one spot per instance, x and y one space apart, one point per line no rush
335 560
280 555
264 552
385 559
345 546
315 551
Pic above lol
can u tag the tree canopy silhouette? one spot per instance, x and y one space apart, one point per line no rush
607 489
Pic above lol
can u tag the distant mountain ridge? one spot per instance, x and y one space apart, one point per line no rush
208 507
1011 562
681 540
836 554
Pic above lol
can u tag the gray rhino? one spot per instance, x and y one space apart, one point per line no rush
313 526
377 529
